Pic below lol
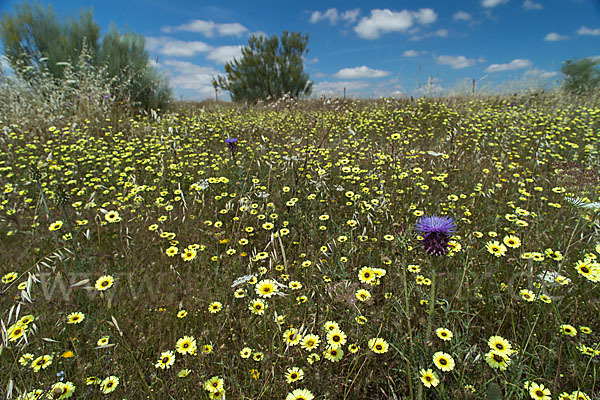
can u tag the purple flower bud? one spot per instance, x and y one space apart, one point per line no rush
436 232
232 144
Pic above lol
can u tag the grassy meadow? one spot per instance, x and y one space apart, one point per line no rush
153 257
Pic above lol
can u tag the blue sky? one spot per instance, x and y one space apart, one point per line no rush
388 48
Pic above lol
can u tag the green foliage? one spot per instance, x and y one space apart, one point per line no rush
34 36
582 76
269 67
125 52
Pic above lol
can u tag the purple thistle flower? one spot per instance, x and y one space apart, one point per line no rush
232 144
436 232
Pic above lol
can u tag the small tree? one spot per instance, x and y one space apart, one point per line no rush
581 76
269 67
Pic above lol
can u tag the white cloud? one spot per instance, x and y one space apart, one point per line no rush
461 16
386 21
337 88
410 53
554 37
492 3
209 28
224 54
438 33
456 62
584 30
175 48
360 72
188 68
549 74
351 15
425 16
178 48
187 76
530 5
383 21
233 29
514 64
535 73
313 60
333 16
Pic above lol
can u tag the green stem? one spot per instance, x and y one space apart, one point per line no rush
569 245
431 307
430 316
406 309
410 337
524 348
410 384
347 391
